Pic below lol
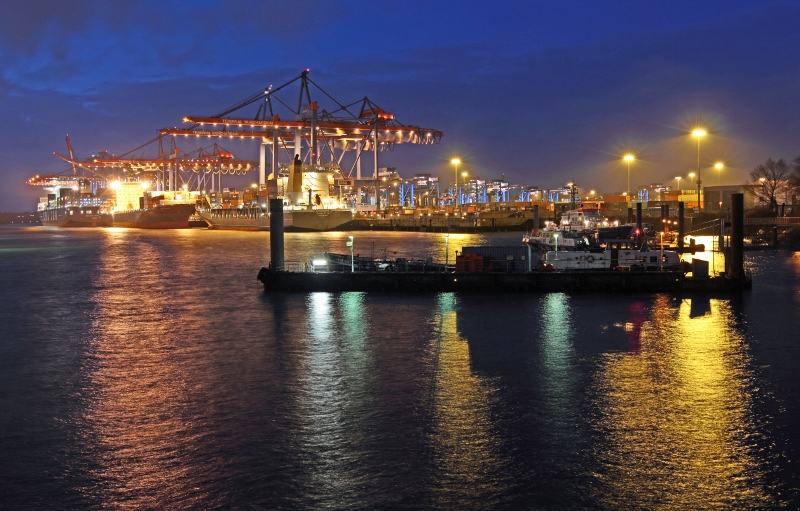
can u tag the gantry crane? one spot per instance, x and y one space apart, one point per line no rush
328 133
164 170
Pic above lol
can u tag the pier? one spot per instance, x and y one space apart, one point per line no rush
276 279
531 282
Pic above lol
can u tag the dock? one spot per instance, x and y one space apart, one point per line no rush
276 279
601 281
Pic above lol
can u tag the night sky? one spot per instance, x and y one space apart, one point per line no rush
543 92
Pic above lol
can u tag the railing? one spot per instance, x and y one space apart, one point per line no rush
776 220
296 266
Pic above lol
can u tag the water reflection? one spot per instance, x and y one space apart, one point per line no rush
133 429
794 265
558 373
463 443
676 423
711 254
336 393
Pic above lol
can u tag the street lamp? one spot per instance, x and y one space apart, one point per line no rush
352 259
691 176
678 181
464 175
698 133
628 159
456 161
446 250
719 166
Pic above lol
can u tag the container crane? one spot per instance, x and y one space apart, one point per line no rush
359 126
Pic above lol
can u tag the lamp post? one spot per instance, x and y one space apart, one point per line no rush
555 236
352 259
719 166
698 133
678 184
455 162
446 250
628 159
691 176
464 175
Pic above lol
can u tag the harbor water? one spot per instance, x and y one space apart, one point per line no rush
148 369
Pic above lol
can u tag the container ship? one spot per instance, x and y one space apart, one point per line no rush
71 202
316 209
78 202
138 208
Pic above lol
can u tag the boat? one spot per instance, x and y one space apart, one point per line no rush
69 215
75 201
197 221
71 202
614 232
316 209
582 219
257 219
553 238
136 207
168 216
349 262
618 255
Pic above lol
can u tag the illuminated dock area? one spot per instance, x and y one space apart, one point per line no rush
619 280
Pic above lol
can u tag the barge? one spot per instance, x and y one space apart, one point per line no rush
591 281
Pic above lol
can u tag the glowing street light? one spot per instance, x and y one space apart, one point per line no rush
719 166
456 161
699 133
678 181
628 159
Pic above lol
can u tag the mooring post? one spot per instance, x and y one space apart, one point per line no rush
721 244
639 233
737 236
681 231
276 233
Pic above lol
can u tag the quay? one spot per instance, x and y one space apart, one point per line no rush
275 279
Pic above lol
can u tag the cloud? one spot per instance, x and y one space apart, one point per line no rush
541 92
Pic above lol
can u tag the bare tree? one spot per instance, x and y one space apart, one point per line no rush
768 179
795 177
794 183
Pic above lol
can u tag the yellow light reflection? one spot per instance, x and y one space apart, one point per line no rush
465 450
676 415
136 390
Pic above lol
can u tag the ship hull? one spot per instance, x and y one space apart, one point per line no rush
172 216
73 217
313 220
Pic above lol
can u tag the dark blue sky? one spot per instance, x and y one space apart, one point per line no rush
543 92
